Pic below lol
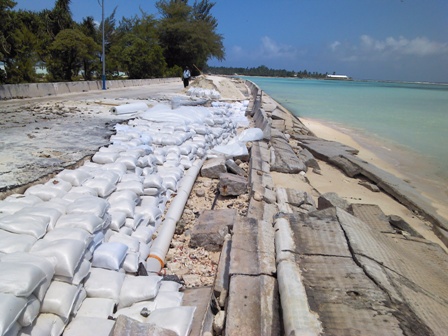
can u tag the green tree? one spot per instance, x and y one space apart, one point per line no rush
69 52
137 51
187 33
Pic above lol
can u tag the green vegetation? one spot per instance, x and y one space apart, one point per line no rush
263 71
139 47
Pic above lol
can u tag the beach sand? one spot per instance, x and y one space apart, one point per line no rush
334 180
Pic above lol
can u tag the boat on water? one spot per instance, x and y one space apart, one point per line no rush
338 77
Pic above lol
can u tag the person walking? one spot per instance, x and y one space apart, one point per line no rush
186 76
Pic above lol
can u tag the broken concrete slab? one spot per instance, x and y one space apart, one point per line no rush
416 269
253 307
399 223
323 149
212 227
232 185
283 158
221 285
370 186
308 158
372 215
234 168
331 199
214 167
252 250
203 316
261 210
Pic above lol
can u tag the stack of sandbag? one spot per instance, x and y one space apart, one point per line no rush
71 248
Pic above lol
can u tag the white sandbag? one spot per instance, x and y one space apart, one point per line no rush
129 161
129 108
153 181
135 186
153 214
23 199
98 239
250 134
169 286
70 233
81 272
43 263
118 219
59 204
144 252
9 208
170 182
232 149
13 242
116 167
72 196
131 242
10 309
124 205
113 148
134 310
109 255
125 230
82 295
133 223
96 307
32 225
102 186
44 192
103 283
59 299
20 279
138 288
30 313
67 254
89 222
131 177
14 330
130 264
178 319
144 234
124 194
89 326
45 325
88 204
75 177
59 183
168 299
105 157
152 191
52 214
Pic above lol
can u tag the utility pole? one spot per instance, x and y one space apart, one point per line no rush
103 57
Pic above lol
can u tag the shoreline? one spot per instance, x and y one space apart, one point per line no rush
376 153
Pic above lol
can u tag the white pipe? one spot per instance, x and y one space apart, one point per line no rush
129 108
298 319
160 246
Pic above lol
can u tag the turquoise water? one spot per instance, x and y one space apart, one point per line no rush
409 116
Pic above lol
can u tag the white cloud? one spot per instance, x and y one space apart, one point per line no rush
268 51
389 48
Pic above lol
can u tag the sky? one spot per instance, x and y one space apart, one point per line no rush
403 40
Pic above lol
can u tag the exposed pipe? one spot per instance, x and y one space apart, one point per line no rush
160 246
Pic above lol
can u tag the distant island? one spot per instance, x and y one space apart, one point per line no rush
264 71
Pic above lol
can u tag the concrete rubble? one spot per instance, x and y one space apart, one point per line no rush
256 258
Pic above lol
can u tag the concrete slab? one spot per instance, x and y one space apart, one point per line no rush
283 158
212 227
203 317
253 308
253 251
372 215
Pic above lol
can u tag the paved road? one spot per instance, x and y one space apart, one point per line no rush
39 136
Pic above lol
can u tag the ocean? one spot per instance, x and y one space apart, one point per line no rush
405 124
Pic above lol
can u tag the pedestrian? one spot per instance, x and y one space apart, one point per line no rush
186 76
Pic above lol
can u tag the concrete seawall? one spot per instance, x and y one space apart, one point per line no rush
34 90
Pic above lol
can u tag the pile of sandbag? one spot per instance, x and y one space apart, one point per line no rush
70 249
